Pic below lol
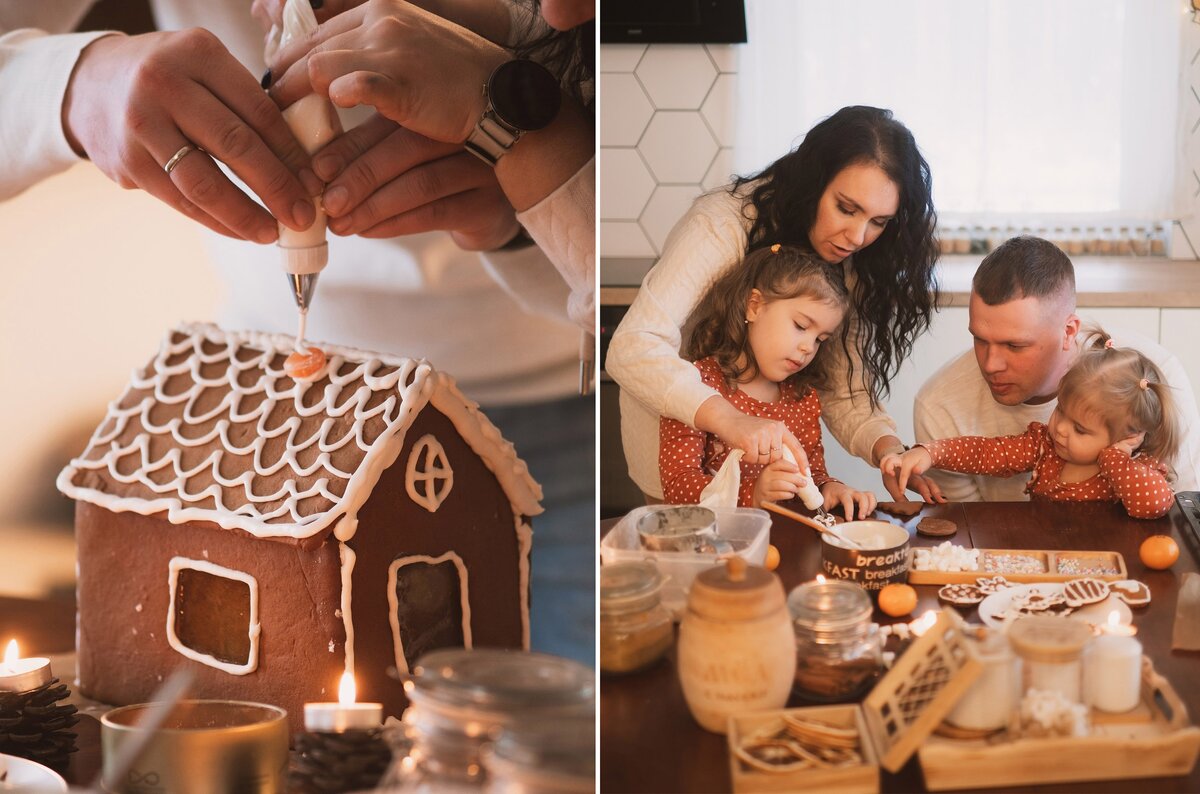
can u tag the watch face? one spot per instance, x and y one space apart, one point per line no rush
524 95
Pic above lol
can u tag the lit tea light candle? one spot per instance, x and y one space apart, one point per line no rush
1113 668
23 675
820 579
345 715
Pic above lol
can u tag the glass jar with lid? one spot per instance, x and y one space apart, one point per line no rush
1051 651
461 699
838 652
547 756
635 628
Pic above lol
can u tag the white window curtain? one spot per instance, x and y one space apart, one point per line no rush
1042 109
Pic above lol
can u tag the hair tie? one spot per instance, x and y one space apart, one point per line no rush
775 248
1108 344
1143 384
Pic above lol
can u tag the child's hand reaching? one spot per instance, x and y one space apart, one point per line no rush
1129 444
915 461
837 493
778 482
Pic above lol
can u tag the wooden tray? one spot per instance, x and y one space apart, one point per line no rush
1050 560
1155 740
892 722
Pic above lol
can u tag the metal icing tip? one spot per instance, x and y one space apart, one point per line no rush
303 285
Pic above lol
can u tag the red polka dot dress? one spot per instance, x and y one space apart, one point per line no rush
688 459
1139 483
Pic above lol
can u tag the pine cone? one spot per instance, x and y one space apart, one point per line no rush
34 725
325 763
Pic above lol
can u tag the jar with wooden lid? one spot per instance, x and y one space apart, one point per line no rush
838 653
1051 651
736 648
635 627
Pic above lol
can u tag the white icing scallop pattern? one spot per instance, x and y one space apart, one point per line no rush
428 477
214 430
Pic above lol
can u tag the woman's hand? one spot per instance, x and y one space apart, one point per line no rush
839 494
134 101
778 482
385 181
761 439
411 65
914 462
488 18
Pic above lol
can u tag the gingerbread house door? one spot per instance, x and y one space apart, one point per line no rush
428 606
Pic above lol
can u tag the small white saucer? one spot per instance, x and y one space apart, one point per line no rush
28 777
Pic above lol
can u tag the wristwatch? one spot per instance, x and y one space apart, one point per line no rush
522 96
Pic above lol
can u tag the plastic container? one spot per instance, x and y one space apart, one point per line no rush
746 529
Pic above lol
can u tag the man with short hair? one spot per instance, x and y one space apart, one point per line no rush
1026 336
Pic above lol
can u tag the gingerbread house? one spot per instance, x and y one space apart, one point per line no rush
273 533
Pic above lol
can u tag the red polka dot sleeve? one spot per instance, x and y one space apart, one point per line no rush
1140 483
1003 456
689 458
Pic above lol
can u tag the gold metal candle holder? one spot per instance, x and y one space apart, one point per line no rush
204 747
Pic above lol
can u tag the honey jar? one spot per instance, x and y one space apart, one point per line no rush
635 628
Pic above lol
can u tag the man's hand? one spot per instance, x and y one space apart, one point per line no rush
133 102
386 181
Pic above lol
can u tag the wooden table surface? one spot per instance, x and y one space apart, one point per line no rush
649 742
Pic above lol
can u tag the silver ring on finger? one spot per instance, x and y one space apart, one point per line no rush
183 152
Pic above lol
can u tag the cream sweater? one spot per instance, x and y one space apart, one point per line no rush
643 356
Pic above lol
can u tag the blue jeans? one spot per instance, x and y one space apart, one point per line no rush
558 440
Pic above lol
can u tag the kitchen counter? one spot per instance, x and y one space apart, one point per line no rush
1112 281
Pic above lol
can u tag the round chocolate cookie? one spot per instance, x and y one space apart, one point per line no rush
936 527
902 509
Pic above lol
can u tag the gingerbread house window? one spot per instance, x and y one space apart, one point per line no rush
428 477
213 615
429 608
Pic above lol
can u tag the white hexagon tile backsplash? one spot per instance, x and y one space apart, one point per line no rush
666 136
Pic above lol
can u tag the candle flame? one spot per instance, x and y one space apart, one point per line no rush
820 579
347 692
923 623
11 653
1114 618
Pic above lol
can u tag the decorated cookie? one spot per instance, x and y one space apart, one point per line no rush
936 527
1081 592
1131 591
960 594
902 509
992 584
1036 600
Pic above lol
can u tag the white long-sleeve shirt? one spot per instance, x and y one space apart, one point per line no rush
506 324
643 356
956 401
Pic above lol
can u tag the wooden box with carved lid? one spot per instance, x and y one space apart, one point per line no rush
272 533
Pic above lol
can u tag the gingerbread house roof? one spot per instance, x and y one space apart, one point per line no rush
213 429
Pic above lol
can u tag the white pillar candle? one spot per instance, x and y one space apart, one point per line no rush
1113 672
23 675
345 715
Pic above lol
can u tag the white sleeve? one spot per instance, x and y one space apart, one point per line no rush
643 356
846 404
932 421
35 68
563 225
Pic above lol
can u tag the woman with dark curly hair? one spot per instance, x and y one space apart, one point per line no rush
856 192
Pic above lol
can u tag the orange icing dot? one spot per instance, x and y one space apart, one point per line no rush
304 364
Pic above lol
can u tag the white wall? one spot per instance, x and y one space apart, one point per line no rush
93 277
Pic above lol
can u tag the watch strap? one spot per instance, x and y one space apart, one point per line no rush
491 139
